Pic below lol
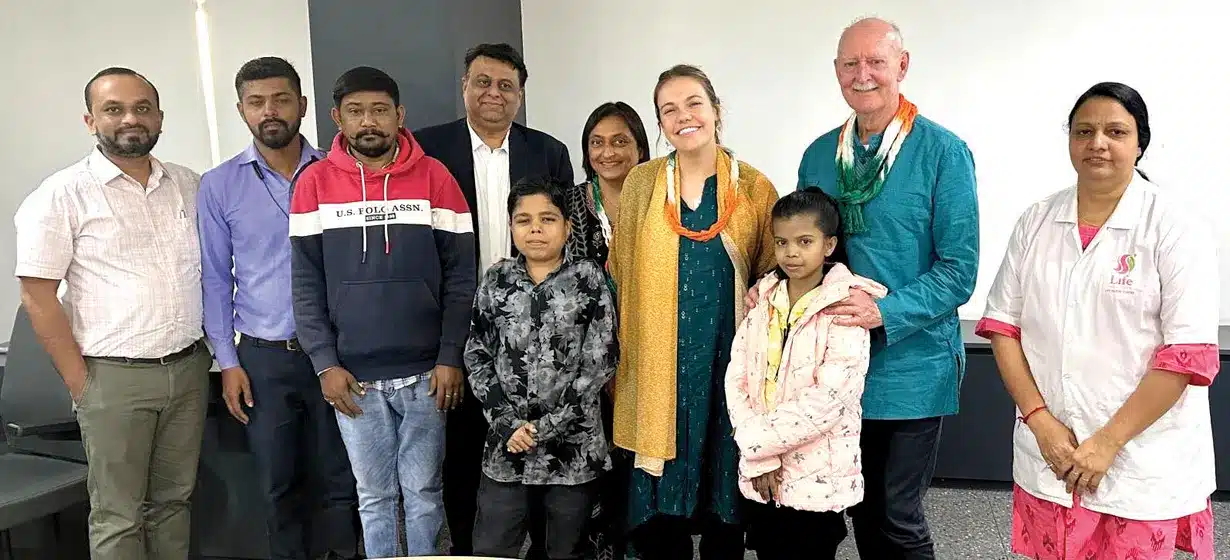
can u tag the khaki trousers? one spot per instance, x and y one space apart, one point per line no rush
141 425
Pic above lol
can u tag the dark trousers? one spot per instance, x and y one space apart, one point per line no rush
779 532
505 511
667 537
304 469
465 435
898 461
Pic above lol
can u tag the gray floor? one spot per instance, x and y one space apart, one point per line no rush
975 523
969 522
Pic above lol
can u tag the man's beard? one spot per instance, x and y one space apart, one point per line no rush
372 143
131 146
277 136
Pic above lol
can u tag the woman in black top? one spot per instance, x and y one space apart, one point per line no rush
612 143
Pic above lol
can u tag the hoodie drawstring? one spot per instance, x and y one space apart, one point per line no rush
386 222
363 186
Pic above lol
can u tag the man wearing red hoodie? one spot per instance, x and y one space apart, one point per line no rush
383 278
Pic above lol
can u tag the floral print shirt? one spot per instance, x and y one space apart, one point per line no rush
542 354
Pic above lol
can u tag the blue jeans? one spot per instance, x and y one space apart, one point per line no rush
398 442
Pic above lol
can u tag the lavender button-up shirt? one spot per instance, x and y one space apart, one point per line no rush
243 221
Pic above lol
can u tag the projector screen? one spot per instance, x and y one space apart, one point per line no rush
1002 75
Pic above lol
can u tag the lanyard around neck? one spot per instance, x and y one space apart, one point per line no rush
256 168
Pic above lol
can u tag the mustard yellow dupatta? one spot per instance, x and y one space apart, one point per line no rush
645 262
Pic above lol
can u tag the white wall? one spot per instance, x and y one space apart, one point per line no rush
241 30
1001 75
52 47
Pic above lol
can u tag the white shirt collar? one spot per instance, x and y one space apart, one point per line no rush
476 142
1127 212
106 171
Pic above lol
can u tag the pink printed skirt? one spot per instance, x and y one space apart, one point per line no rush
1048 531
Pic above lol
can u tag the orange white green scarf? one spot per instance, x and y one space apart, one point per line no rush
860 181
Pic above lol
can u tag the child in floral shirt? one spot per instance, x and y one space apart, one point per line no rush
542 346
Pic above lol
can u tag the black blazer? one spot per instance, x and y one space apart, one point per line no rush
531 153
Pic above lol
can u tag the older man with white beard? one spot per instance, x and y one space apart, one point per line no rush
906 192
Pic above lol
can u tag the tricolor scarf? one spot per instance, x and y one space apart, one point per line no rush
596 206
860 181
595 201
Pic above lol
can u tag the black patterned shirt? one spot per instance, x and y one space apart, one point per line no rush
542 354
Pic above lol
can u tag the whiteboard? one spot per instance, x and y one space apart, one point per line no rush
1002 75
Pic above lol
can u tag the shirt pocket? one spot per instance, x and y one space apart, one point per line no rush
908 210
184 253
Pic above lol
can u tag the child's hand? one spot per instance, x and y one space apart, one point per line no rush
767 484
522 440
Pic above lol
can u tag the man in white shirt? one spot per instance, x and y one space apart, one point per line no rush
119 228
487 152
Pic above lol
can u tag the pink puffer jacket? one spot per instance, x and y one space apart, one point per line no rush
812 433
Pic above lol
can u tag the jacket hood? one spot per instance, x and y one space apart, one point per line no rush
835 286
408 154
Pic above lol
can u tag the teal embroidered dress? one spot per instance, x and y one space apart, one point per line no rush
702 480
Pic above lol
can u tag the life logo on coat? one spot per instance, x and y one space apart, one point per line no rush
1121 280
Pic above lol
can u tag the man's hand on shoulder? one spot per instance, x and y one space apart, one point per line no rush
858 309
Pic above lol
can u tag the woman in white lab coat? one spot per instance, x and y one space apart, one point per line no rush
1103 318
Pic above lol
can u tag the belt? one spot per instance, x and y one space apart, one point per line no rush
291 345
168 359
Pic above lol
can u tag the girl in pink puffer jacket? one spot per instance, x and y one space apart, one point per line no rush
794 388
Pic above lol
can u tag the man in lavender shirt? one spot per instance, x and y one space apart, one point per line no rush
268 381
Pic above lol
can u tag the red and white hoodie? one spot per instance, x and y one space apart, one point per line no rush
382 263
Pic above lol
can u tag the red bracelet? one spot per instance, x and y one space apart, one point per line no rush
1025 419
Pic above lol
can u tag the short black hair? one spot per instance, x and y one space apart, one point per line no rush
364 78
629 116
264 68
502 52
1131 101
116 71
553 188
811 201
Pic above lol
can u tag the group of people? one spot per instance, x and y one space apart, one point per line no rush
441 321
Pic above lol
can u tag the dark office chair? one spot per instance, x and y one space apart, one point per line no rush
33 486
37 410
227 513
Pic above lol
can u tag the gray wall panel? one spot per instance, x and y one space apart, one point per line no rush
421 43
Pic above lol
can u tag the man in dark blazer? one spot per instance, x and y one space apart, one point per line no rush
487 152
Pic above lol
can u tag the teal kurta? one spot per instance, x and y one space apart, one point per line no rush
921 243
702 480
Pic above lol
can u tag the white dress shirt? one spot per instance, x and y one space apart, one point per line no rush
128 253
1090 323
491 186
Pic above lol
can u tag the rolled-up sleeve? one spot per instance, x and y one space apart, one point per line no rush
1006 298
1188 267
45 233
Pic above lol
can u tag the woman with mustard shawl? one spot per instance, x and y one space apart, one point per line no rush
692 235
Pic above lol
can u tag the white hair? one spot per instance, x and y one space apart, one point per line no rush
894 36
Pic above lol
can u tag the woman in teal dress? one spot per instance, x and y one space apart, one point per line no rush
702 482
692 234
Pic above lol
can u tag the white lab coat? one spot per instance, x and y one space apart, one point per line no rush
1090 323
